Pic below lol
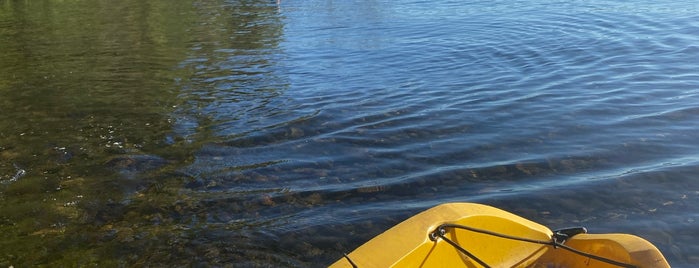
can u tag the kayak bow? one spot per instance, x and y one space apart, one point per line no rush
475 235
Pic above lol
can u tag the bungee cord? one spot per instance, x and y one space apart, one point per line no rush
557 240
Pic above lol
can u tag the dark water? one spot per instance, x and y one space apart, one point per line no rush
256 133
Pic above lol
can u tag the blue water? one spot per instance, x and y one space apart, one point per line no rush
311 126
567 112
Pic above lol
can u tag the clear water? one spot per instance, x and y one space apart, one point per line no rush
259 133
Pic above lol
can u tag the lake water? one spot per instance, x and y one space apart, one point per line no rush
257 133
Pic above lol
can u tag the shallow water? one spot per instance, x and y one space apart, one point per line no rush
258 133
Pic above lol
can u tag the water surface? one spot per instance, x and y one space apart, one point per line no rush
283 134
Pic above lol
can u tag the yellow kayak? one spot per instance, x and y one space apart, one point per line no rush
475 235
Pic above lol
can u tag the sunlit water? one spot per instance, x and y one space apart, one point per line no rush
259 133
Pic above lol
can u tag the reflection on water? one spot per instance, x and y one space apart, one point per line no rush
253 132
234 80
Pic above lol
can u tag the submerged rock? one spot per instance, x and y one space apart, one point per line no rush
130 166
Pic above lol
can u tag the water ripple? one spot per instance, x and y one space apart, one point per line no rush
355 115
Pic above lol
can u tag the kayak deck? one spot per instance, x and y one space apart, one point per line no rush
471 238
